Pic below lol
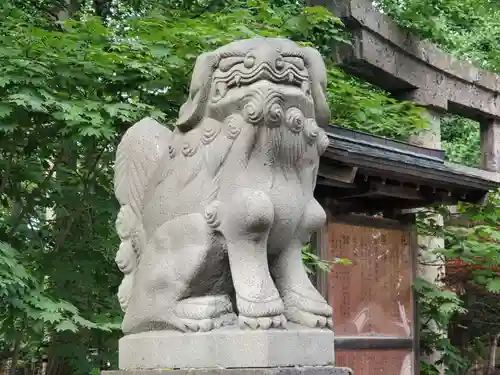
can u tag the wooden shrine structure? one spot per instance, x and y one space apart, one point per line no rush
371 187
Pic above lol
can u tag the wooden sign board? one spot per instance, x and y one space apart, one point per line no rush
373 296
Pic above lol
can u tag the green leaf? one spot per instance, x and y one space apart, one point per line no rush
343 261
51 316
5 110
448 308
493 285
7 128
66 325
66 306
28 99
84 322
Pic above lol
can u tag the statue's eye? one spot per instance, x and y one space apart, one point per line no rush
249 61
220 91
279 63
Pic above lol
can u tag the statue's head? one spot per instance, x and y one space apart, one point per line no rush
270 82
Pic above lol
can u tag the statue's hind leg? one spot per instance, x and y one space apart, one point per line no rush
206 302
303 303
182 281
246 219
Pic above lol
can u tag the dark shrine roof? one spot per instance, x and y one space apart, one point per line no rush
365 172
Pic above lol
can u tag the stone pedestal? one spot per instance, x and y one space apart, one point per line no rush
228 347
307 370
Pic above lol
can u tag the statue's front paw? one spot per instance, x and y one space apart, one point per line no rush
308 310
203 325
308 319
264 313
265 322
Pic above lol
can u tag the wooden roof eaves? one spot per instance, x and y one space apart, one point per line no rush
397 160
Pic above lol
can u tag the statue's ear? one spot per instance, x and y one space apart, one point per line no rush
193 109
317 72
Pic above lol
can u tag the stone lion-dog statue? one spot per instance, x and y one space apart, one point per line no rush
214 214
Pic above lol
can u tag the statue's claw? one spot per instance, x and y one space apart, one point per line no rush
265 322
311 311
202 314
308 319
203 325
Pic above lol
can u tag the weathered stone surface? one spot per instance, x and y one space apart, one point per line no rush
227 347
306 370
490 145
398 61
214 213
431 136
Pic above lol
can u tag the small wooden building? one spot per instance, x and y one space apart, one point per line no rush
368 186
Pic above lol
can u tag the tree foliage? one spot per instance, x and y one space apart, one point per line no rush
75 75
468 29
466 311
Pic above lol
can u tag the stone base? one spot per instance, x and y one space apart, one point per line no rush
319 370
227 347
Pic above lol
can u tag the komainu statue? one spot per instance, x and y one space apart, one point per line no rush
214 213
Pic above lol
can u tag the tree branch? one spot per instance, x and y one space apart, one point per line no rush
94 164
35 4
28 206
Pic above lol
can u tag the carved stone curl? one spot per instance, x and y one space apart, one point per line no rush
215 213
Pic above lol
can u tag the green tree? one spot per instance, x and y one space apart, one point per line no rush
467 310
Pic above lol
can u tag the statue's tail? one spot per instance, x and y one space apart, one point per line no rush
137 157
